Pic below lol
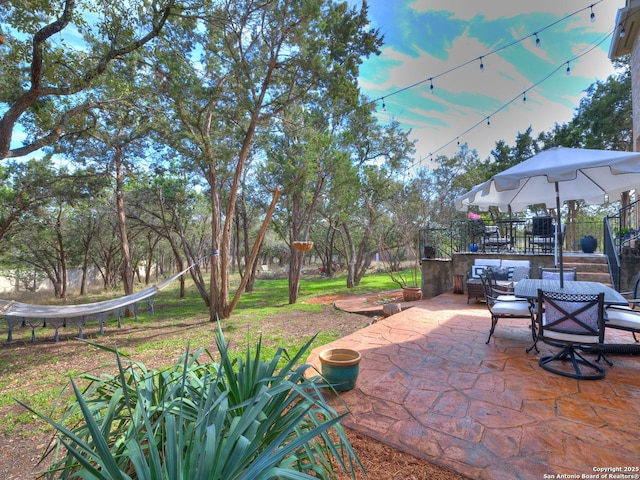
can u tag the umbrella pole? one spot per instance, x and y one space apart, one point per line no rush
558 236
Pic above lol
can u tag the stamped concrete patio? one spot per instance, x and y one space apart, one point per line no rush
430 386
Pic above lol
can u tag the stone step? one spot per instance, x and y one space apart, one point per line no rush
594 277
589 267
585 258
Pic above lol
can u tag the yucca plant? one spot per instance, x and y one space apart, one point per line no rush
237 419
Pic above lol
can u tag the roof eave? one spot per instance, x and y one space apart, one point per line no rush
627 18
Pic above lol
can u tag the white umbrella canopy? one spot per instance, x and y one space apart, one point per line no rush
555 176
593 176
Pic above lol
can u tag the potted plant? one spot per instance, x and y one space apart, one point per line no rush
476 227
588 243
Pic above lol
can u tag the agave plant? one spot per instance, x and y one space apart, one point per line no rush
236 419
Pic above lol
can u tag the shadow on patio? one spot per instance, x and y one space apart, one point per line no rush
430 386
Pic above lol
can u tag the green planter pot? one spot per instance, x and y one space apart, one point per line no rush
340 367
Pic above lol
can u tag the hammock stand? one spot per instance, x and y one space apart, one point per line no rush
56 316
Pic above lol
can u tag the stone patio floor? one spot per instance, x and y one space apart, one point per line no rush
430 386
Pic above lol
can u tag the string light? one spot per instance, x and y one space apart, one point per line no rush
538 43
481 65
622 31
492 52
384 106
539 82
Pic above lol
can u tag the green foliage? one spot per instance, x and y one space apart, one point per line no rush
245 418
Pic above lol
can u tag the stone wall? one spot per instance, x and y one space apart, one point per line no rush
629 270
437 274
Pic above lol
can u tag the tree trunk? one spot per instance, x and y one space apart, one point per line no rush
351 261
295 268
62 256
127 269
256 248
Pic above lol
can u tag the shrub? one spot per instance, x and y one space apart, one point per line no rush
236 419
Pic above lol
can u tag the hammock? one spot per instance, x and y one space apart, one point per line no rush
56 316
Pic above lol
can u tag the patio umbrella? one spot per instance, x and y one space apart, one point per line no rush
555 176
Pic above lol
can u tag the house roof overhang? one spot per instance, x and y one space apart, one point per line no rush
627 18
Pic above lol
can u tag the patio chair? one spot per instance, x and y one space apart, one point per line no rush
541 235
573 322
492 241
569 274
503 305
623 317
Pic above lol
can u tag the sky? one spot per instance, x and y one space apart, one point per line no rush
440 42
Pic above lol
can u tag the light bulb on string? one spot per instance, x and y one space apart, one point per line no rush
481 65
622 31
488 121
431 86
524 97
593 15
538 41
384 106
568 72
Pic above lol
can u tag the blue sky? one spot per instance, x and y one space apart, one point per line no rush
437 38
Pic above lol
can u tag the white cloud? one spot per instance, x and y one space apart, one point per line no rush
463 97
605 11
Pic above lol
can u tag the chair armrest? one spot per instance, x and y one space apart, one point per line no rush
506 297
634 303
502 289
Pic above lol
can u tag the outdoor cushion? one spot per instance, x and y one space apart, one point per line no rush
516 263
505 306
491 262
519 273
477 270
622 317
501 273
480 264
556 275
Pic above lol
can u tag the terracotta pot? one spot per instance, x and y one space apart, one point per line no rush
302 246
411 294
340 367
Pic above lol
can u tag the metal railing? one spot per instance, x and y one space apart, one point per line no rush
612 254
442 241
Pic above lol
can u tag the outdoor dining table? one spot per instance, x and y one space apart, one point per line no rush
528 288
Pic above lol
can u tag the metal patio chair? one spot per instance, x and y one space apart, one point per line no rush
573 322
503 305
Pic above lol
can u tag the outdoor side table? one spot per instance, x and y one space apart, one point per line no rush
458 282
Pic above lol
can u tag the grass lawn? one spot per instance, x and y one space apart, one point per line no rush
38 373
